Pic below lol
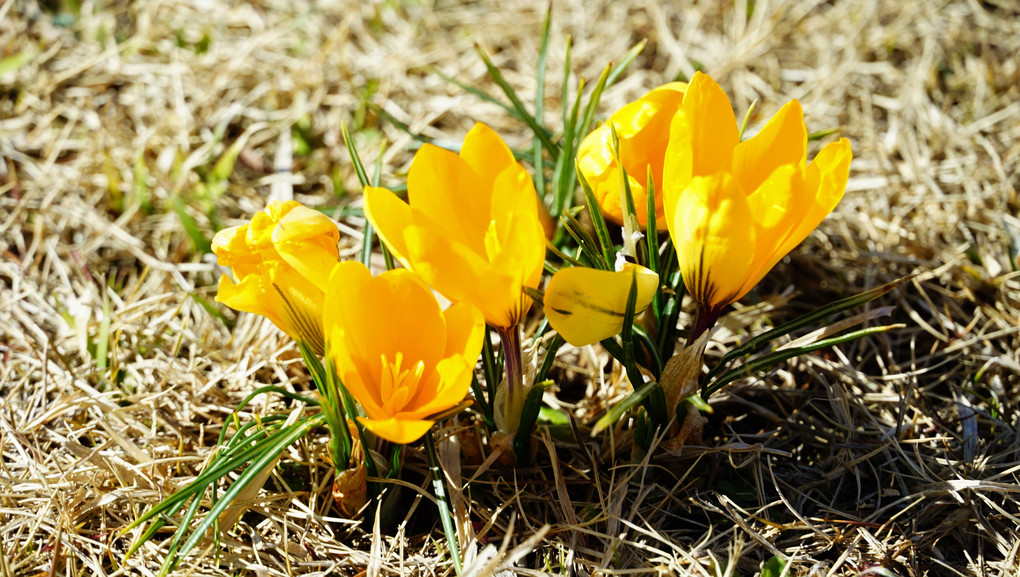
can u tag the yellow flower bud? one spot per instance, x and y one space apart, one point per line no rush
281 261
587 305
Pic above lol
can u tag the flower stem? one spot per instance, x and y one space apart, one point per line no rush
704 319
510 338
443 501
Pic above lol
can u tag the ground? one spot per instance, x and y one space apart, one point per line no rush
895 455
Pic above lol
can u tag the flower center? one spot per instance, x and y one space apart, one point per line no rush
397 384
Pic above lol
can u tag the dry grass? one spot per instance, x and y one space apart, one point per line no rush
895 456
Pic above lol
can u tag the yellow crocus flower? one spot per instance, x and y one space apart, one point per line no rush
586 305
642 128
281 260
470 227
398 353
734 209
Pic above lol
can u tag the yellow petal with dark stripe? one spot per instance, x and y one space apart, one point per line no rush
586 305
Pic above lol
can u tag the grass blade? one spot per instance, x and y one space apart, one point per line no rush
651 347
630 221
199 243
479 93
651 232
483 403
537 147
587 244
359 168
286 438
492 370
566 258
617 411
442 502
770 359
599 222
563 173
627 59
540 131
550 357
809 319
529 416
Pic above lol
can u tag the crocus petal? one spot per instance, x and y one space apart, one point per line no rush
373 312
465 331
348 281
281 259
390 216
396 430
486 153
512 191
586 305
295 307
702 137
713 231
400 298
783 140
307 240
777 208
445 189
513 269
277 209
595 158
826 177
642 128
260 229
229 246
525 234
252 295
451 382
734 210
464 276
451 268
709 124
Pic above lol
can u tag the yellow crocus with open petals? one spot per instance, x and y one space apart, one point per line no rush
398 353
586 305
642 128
734 209
281 260
470 227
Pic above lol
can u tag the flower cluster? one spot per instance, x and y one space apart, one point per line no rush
471 229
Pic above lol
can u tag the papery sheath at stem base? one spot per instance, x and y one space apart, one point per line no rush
510 339
350 486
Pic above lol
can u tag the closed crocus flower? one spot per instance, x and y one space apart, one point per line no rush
281 261
470 227
642 127
398 353
734 209
586 305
